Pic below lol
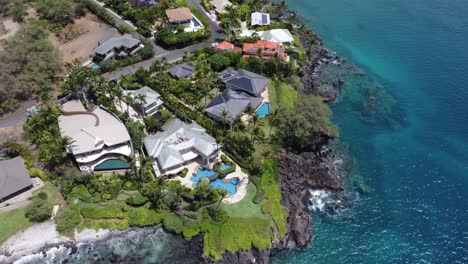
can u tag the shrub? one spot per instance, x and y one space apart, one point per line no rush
183 173
42 195
36 172
67 219
173 223
191 230
137 200
124 29
130 186
38 210
82 193
144 217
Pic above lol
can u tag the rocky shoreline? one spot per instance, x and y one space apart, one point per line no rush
300 173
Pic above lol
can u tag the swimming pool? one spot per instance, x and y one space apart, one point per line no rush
112 164
230 186
94 66
263 110
195 22
225 167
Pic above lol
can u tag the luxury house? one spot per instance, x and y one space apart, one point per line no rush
179 145
151 102
282 36
118 47
14 178
265 50
97 137
260 19
243 88
183 16
182 70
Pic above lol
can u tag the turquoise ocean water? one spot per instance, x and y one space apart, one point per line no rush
415 157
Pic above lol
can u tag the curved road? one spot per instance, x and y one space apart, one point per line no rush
173 55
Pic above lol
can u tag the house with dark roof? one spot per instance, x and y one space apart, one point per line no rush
178 145
245 81
14 178
119 47
151 102
183 70
243 89
260 19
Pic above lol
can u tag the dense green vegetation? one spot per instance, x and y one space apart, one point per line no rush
29 63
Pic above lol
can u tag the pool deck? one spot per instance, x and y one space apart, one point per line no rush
238 173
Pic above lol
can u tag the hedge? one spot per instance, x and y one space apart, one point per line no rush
100 12
173 223
144 217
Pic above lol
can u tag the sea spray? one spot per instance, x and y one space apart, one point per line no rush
136 245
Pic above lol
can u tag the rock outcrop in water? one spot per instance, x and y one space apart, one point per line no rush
300 173
319 56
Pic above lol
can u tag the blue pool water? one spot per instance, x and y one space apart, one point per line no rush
94 66
225 167
195 22
263 110
230 187
415 159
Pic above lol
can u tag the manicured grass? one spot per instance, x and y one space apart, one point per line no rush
246 207
281 94
14 220
272 195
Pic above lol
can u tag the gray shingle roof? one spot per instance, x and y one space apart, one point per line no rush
243 80
233 102
182 70
126 41
167 147
151 96
13 176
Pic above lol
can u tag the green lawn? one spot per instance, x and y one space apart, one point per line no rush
246 207
14 220
281 94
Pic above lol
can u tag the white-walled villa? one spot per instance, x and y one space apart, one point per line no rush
96 136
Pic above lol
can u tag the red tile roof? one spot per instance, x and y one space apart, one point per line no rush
268 48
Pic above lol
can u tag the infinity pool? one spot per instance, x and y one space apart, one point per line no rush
230 186
195 22
263 110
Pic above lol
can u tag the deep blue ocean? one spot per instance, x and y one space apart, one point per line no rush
414 156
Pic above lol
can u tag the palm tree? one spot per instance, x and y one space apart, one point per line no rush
273 119
128 99
256 124
223 194
225 115
238 125
141 99
249 111
131 161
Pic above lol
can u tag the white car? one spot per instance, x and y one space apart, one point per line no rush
214 44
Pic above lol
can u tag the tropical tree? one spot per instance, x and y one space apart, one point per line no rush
222 194
273 120
238 125
225 116
141 99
